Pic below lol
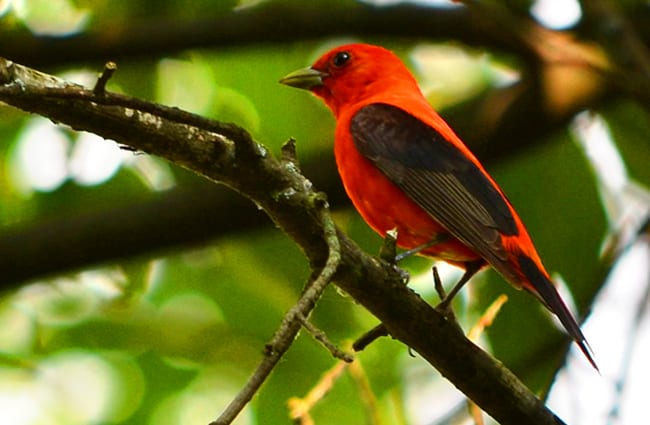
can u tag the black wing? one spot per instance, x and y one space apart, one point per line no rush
437 176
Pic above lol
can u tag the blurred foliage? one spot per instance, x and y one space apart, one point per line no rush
171 340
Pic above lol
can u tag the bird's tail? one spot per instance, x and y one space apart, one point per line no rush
543 288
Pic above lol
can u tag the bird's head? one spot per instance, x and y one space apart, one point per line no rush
352 73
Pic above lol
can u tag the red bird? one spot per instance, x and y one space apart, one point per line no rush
404 168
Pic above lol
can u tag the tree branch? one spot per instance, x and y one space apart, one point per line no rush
293 320
269 22
275 21
497 124
156 224
227 154
629 55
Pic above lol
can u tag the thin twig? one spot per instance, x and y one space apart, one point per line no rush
286 333
388 250
437 283
487 318
380 330
321 337
440 289
289 152
107 73
388 253
365 392
299 408
369 337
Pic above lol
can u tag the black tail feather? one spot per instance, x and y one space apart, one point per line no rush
551 298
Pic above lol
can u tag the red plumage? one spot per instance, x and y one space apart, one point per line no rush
403 167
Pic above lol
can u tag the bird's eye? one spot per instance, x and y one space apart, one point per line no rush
340 59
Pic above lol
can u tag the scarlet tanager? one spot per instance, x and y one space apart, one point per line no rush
404 168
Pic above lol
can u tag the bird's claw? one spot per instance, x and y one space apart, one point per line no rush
404 275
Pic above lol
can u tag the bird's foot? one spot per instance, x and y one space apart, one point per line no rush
444 307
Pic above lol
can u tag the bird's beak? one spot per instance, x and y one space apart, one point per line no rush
306 78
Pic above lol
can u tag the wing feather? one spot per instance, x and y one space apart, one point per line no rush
435 174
